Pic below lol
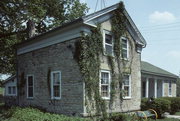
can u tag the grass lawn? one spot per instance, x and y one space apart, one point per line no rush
1 90
31 114
177 113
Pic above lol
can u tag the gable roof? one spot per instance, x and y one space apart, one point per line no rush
9 79
136 35
154 70
78 25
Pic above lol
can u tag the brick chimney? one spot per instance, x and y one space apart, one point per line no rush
31 30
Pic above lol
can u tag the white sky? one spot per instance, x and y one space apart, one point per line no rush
159 23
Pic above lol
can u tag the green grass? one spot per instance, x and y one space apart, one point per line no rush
1 90
31 114
177 113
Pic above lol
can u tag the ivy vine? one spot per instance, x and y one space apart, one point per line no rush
89 49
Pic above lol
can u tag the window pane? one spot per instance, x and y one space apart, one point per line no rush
56 91
108 38
104 91
30 86
30 80
124 53
9 90
170 88
126 80
30 91
109 49
56 78
14 90
126 89
124 48
104 78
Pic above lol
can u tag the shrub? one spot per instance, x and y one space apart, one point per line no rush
144 105
175 104
31 114
117 117
160 105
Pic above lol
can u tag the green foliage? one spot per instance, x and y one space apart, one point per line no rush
117 117
88 51
1 91
175 104
144 105
178 87
31 114
118 23
47 14
160 105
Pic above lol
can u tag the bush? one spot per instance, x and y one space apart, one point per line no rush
160 105
144 105
117 117
31 114
175 104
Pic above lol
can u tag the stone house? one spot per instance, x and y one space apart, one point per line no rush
10 90
157 82
50 77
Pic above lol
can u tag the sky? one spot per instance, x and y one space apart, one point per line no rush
159 23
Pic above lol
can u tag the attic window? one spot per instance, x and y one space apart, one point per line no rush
108 42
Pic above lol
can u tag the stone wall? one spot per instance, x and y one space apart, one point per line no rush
132 103
166 89
58 57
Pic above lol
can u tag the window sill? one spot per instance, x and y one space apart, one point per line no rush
30 98
127 98
106 98
125 59
55 98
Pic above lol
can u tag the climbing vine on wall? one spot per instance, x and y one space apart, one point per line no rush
89 50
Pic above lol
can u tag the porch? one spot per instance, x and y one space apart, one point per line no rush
152 87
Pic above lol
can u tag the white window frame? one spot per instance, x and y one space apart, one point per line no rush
128 97
11 88
109 89
104 42
52 86
127 49
169 82
27 87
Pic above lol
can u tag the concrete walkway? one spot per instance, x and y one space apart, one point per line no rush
172 116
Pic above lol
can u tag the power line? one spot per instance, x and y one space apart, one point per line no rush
160 25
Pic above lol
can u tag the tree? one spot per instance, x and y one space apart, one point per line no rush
47 14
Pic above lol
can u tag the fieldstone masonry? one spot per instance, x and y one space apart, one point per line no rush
59 57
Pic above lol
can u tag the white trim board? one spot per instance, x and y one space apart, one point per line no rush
61 37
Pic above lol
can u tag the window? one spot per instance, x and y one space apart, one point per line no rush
56 85
30 86
12 90
124 44
105 84
127 86
108 42
170 88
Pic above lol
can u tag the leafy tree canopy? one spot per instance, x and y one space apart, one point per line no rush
47 14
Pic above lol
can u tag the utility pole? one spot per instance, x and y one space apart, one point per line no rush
102 4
